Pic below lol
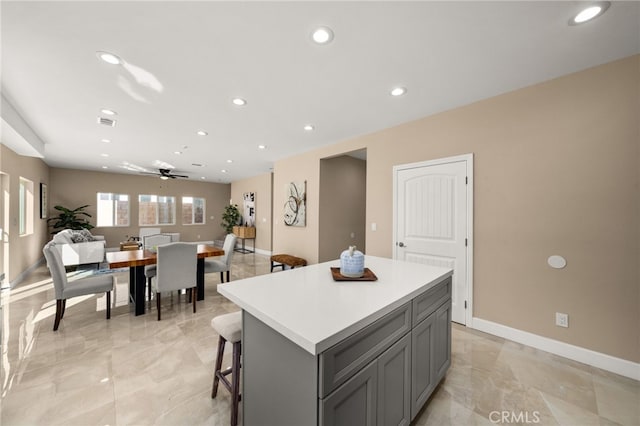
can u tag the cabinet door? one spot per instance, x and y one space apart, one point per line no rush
394 384
353 403
422 379
442 341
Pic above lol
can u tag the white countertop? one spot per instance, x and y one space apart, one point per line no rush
312 310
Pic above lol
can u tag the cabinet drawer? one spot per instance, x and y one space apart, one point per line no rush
425 304
340 362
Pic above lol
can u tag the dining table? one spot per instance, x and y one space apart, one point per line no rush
136 260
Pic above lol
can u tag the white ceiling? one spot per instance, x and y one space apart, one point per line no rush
185 61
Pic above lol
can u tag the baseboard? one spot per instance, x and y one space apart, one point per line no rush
586 356
17 280
265 252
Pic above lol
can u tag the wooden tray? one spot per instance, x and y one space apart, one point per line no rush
368 276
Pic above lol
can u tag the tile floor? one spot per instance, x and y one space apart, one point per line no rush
138 371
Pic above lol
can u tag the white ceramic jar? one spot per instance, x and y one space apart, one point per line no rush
352 263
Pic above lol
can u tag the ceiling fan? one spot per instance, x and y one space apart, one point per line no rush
165 174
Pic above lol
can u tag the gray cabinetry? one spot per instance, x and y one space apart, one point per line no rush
377 394
430 354
411 348
344 359
394 384
354 403
442 346
381 375
422 382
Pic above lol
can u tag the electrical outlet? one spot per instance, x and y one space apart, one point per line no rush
562 320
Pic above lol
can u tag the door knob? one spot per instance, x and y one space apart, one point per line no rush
401 244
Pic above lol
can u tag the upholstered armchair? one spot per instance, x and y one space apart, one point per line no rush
78 247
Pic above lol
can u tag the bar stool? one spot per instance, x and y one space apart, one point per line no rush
229 327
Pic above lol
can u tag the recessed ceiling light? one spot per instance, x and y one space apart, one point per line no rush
177 152
262 146
105 167
109 58
104 155
398 91
106 140
202 133
239 102
322 35
223 171
308 127
202 177
108 111
229 161
589 13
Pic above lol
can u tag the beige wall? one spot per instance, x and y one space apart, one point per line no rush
74 188
21 252
261 185
556 172
342 203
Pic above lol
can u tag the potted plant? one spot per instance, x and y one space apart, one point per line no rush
230 217
70 219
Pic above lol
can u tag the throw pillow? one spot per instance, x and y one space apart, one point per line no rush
87 235
78 237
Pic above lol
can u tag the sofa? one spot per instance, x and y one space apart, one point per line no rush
78 247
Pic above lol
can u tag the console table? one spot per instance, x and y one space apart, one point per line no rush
346 352
245 233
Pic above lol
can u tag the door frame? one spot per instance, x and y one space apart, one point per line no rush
468 159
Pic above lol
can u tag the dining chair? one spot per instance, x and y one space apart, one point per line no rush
146 231
222 264
177 265
151 242
66 288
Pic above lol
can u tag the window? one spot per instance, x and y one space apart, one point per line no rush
192 211
113 209
25 205
156 210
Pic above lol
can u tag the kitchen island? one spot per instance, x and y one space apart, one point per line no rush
323 352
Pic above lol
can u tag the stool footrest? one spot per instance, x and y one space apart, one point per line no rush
221 375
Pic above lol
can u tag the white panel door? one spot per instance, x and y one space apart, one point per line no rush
431 222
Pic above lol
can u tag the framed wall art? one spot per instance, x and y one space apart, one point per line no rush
295 204
249 201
